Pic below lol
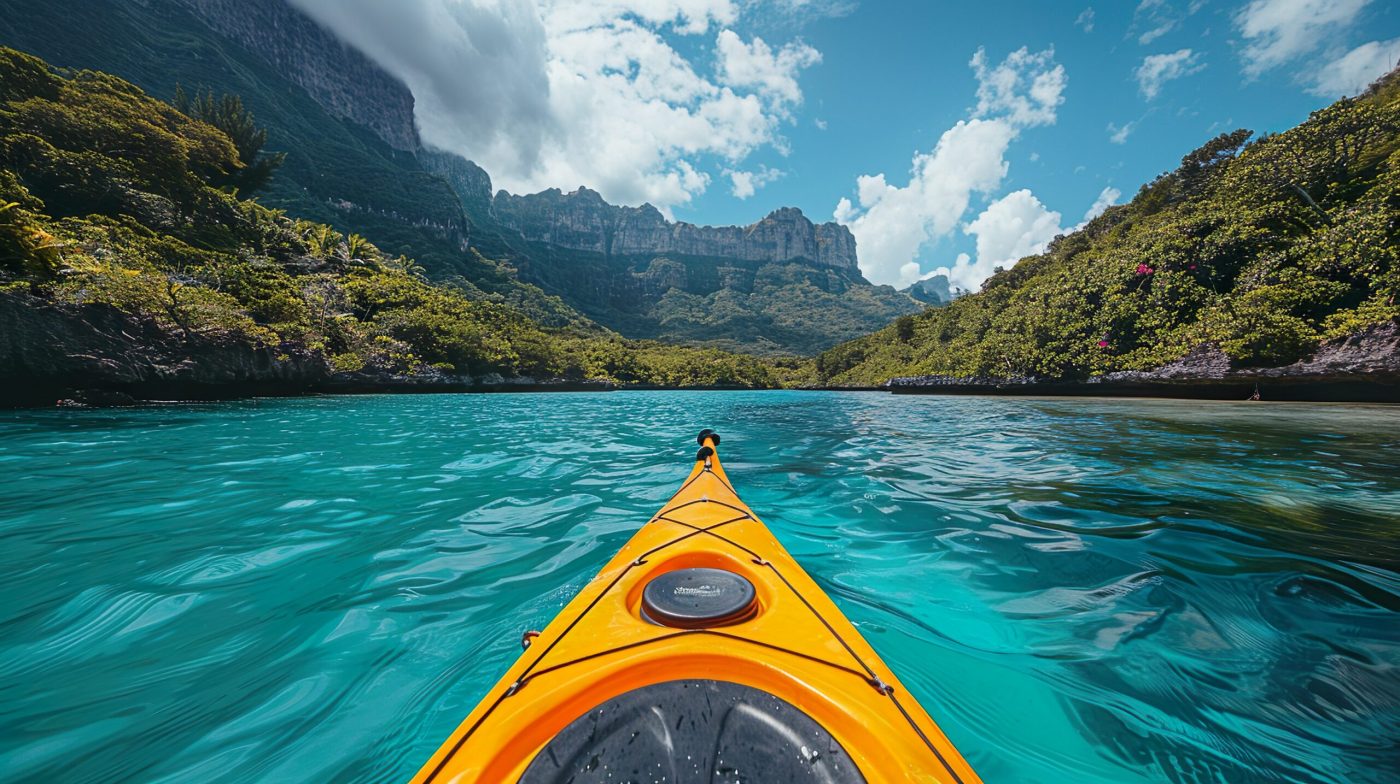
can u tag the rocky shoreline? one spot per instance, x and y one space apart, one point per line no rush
96 355
1362 367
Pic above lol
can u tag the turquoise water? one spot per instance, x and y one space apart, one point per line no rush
319 589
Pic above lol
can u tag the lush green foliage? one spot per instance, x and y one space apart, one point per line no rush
776 309
108 197
335 172
228 115
1263 248
339 173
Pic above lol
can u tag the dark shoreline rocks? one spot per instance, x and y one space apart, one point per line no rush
1362 367
98 356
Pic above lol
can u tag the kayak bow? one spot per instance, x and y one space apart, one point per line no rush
702 652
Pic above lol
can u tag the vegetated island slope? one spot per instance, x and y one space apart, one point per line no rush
129 268
1269 262
354 161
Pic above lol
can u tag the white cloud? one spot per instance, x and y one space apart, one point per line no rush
562 93
1085 19
1158 69
1107 198
1026 87
689 17
507 117
1277 31
745 183
1354 71
820 123
893 223
1118 134
756 65
1012 227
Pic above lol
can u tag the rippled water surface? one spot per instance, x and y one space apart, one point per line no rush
320 589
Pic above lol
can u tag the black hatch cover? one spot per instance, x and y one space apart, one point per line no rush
693 732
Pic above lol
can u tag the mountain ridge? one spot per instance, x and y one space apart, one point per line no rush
355 162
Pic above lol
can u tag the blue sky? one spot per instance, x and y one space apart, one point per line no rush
719 111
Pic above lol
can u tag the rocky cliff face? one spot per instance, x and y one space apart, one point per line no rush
49 351
582 221
470 182
781 285
345 82
97 355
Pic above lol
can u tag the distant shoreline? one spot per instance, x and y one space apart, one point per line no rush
94 369
113 397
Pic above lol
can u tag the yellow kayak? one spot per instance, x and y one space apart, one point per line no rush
701 653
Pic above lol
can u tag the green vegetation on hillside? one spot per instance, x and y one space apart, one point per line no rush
765 308
109 197
787 310
339 173
1264 248
335 171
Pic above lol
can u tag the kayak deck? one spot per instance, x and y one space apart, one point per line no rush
618 653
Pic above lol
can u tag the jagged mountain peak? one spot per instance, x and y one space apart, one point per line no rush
582 220
789 214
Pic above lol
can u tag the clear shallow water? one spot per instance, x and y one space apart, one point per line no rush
320 589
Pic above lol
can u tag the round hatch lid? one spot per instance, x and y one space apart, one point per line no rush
699 597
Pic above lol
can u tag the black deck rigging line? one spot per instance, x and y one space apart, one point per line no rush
690 481
925 739
642 558
665 509
662 514
711 532
683 633
529 673
722 481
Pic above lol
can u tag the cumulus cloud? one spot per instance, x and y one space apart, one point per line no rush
745 183
1026 88
1158 69
1354 71
561 93
1012 227
758 66
892 223
1277 31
